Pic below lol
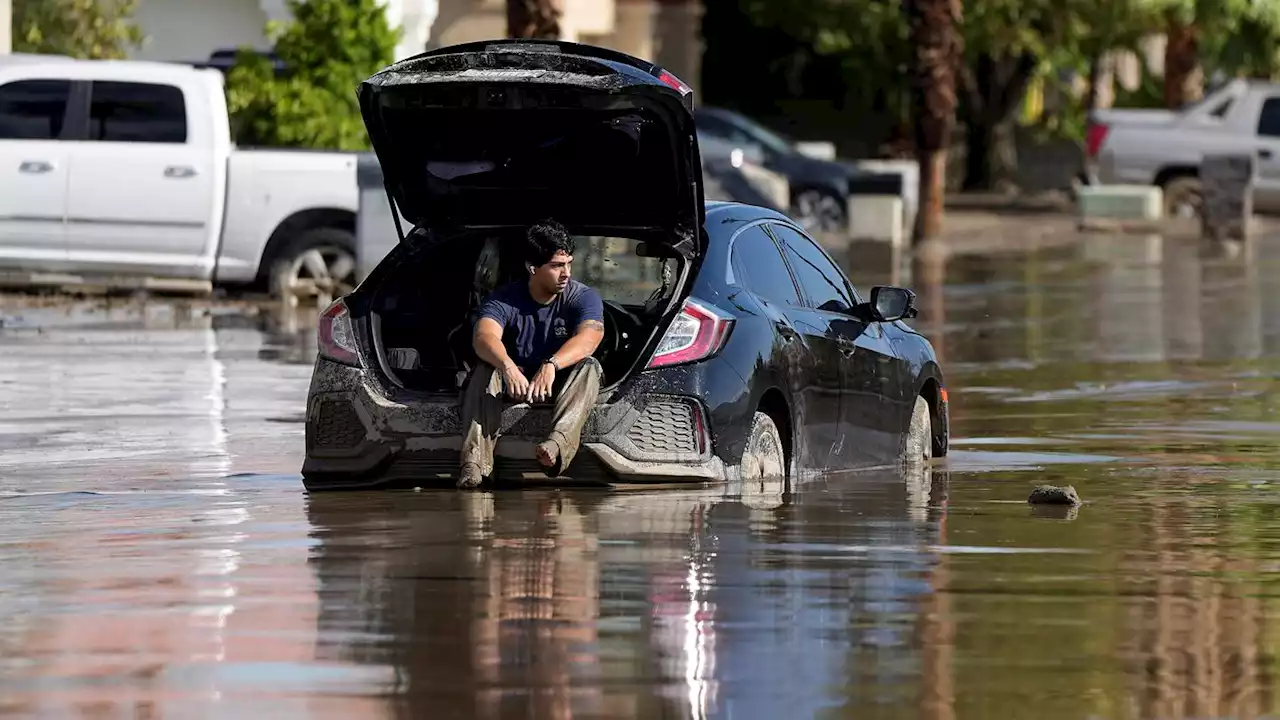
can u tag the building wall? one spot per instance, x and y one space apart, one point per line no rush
192 29
6 27
459 21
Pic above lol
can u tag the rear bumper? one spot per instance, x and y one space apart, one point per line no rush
359 438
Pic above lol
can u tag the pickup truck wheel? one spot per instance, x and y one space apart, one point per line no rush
1183 197
319 265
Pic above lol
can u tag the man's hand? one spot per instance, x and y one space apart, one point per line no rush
540 388
516 383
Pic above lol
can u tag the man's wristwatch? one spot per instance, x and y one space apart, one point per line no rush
554 364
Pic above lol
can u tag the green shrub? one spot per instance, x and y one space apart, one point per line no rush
86 29
328 48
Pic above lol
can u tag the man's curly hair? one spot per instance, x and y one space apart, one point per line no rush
544 240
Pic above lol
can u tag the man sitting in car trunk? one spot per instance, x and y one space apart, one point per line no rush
535 339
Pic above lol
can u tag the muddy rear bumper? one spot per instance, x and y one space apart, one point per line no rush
360 436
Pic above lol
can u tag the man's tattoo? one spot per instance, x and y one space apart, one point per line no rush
592 325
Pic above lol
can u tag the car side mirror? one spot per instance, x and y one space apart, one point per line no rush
890 303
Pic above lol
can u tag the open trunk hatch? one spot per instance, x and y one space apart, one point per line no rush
507 133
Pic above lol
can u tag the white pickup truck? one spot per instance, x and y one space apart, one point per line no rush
127 169
1165 148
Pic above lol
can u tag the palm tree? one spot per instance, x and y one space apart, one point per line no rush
938 49
537 19
1183 77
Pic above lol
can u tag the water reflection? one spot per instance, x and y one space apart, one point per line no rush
144 573
152 388
672 603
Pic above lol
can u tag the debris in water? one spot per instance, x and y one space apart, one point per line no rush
1054 495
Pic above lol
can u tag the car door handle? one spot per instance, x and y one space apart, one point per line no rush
1264 153
847 347
35 167
180 172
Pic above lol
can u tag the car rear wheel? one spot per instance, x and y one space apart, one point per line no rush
764 465
918 448
319 265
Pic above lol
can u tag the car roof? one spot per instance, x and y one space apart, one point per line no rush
726 209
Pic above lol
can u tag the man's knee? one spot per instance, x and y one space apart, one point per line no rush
588 369
591 365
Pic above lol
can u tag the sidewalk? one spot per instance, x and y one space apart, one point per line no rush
970 232
979 232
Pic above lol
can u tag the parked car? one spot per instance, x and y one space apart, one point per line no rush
819 188
223 59
1166 147
734 345
122 168
734 173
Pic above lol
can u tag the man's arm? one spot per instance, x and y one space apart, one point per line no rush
487 342
581 346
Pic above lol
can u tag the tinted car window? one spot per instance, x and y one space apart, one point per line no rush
33 109
137 112
759 267
821 279
1269 118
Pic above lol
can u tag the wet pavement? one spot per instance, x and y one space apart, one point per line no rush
160 558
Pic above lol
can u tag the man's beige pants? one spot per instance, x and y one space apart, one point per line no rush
574 392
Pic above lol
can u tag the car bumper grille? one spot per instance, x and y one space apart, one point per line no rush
666 426
336 427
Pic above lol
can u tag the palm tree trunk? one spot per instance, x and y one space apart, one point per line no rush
938 47
534 19
1183 79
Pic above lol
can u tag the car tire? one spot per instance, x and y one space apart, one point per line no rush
1183 197
763 468
918 446
296 272
819 211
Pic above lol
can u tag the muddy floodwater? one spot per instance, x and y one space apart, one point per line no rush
159 557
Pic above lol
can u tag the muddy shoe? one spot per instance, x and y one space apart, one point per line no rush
470 476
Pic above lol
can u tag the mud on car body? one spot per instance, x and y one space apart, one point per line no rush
734 346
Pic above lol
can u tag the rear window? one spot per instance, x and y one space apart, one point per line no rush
137 113
612 267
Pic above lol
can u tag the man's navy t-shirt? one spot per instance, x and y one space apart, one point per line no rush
533 332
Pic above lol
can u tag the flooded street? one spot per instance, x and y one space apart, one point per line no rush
161 559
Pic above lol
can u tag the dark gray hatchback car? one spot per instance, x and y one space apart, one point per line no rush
735 348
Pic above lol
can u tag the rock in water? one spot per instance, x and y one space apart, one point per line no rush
1054 495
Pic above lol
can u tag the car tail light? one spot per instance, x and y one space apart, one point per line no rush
674 83
697 333
336 337
1094 137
